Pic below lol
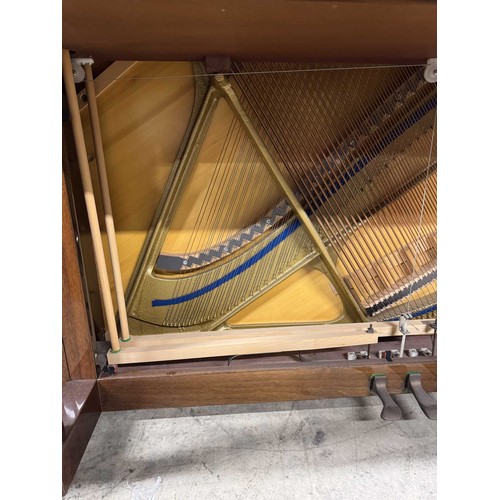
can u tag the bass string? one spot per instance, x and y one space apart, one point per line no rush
389 226
236 290
325 147
280 141
302 171
180 286
255 191
198 233
310 192
417 242
281 144
369 177
217 207
206 204
389 221
314 134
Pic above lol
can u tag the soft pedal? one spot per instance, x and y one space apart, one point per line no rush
425 401
390 411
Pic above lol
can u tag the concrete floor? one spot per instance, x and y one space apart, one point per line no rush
309 449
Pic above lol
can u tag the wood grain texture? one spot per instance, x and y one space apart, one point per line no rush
81 225
265 30
176 346
142 117
77 345
167 388
306 296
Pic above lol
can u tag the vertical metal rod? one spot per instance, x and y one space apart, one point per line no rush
106 199
88 190
222 84
403 341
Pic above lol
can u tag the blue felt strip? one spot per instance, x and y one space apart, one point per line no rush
295 224
235 272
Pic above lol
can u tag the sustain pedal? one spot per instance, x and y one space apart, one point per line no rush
378 384
425 401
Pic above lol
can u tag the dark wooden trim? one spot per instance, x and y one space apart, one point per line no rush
267 30
81 398
65 370
79 389
77 345
164 387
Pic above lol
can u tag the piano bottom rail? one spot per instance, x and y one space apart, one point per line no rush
265 378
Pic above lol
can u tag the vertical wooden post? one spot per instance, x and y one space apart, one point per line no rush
83 164
108 214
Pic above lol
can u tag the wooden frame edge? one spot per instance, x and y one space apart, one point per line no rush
159 388
76 438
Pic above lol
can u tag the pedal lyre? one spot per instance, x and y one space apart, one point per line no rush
425 401
378 384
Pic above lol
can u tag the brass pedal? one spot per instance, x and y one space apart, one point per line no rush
378 384
425 401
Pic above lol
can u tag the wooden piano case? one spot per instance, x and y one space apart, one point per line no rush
269 337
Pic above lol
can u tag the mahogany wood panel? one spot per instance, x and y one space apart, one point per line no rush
155 388
76 439
343 31
75 326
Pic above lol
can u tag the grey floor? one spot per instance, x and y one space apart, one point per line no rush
309 449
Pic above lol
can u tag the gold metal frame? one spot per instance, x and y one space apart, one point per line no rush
145 285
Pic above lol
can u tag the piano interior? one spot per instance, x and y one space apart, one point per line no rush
249 204
271 195
257 204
